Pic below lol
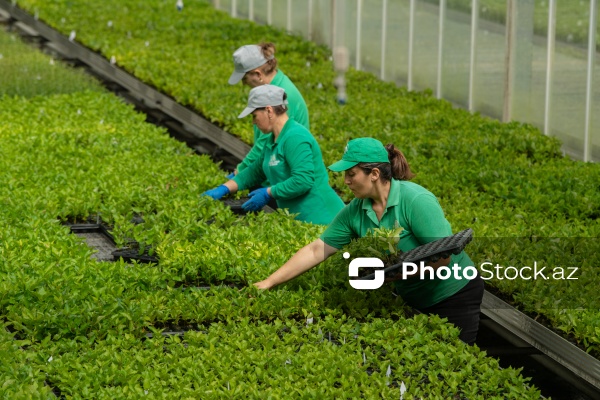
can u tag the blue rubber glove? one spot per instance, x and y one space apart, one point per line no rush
217 192
258 199
230 176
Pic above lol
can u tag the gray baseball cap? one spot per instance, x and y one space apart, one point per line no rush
262 96
245 59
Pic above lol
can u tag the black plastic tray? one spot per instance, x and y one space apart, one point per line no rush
90 228
430 252
129 255
236 205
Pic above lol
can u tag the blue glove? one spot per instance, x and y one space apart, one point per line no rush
258 199
217 192
230 176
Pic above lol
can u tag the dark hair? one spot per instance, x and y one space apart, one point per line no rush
268 51
282 108
397 168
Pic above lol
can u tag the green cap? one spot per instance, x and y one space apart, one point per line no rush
361 150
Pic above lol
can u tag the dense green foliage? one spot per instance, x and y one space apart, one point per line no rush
29 73
80 328
502 180
334 358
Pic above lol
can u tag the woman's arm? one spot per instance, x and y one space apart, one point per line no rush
255 152
251 176
232 186
299 157
304 259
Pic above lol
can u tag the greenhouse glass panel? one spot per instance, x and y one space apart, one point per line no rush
528 63
567 117
322 22
396 60
261 11
456 55
370 47
490 61
300 18
425 46
346 13
242 9
279 13
223 5
595 128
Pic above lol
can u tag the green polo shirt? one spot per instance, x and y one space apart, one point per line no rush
416 210
296 110
299 181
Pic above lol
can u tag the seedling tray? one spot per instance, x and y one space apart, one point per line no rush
98 237
105 244
129 255
90 228
430 252
236 205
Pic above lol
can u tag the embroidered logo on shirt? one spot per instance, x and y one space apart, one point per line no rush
273 162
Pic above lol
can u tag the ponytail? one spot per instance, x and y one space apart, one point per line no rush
268 51
400 168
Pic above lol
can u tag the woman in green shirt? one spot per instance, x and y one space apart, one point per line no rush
291 161
256 65
379 178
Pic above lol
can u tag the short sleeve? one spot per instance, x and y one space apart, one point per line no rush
340 232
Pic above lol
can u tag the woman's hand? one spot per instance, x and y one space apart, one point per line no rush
263 285
304 259
258 199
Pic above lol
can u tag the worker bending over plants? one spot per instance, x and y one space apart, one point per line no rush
379 178
291 161
256 65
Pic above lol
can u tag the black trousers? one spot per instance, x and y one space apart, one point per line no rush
462 309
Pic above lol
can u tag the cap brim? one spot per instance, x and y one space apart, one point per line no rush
236 77
246 112
342 165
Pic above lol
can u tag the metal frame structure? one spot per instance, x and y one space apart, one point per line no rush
543 339
511 93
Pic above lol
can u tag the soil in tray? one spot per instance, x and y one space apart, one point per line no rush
98 236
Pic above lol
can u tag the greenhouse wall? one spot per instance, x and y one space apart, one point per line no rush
533 61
